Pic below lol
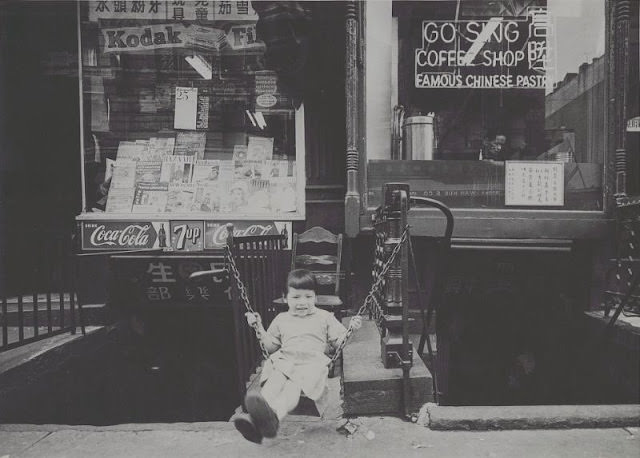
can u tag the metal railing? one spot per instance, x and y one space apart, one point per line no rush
37 288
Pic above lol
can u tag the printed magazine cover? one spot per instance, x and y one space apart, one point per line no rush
134 151
148 171
276 169
123 175
120 200
177 169
207 171
150 198
207 198
283 194
247 170
161 147
260 149
239 152
180 197
259 197
190 144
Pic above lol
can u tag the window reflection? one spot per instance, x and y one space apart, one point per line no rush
484 82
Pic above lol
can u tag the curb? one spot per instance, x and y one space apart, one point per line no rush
483 418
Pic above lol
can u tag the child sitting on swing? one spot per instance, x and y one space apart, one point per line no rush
296 341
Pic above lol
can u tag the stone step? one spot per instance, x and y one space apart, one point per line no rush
369 388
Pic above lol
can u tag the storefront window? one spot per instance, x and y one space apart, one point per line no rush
182 116
496 104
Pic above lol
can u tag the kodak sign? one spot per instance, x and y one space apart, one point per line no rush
131 39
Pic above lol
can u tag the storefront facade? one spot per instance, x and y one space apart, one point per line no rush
550 80
512 113
515 114
519 115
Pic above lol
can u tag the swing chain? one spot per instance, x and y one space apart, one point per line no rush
371 296
366 304
244 297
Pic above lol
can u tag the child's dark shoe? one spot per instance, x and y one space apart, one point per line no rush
262 414
244 424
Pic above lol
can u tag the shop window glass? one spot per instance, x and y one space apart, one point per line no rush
182 115
497 104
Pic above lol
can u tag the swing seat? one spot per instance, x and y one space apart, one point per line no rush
305 407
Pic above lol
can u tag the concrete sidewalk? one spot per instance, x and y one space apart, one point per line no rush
374 437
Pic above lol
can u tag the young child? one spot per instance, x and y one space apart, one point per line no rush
297 341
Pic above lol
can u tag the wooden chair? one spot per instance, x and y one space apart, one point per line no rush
319 251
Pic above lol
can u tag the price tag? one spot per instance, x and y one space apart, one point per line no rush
186 108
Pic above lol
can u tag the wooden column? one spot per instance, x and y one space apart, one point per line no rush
352 197
620 66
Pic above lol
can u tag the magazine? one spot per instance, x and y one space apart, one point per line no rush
276 169
150 198
148 171
239 152
207 198
259 196
226 170
161 147
177 169
259 148
283 194
134 151
247 170
206 170
123 175
234 196
120 200
190 144
180 197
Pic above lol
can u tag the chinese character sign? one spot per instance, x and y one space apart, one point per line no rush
149 280
534 183
496 52
184 10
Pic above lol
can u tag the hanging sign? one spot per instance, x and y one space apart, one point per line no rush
132 39
633 124
186 108
489 53
211 11
127 10
187 10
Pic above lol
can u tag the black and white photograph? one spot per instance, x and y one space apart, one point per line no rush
311 228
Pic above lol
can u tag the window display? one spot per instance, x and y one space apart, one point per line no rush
477 85
181 116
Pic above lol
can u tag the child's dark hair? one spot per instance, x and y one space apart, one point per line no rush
302 279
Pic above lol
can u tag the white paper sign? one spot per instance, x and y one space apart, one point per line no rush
186 108
128 9
534 183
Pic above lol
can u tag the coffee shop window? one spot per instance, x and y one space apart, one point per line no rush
493 104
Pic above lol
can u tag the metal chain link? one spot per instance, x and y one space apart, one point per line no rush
375 312
372 291
370 296
244 298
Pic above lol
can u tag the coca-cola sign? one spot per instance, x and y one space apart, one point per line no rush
116 235
216 231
